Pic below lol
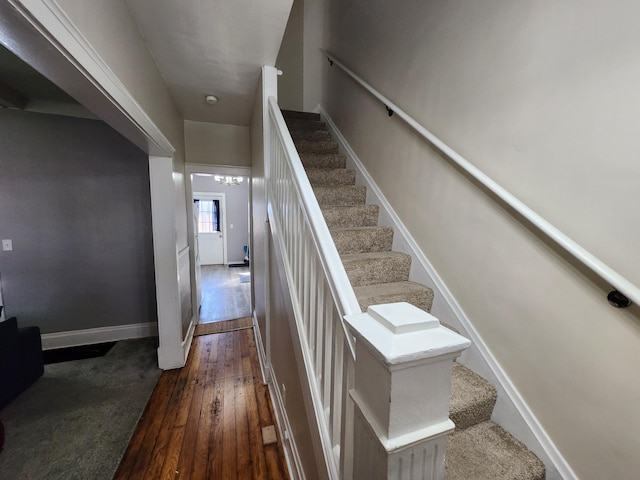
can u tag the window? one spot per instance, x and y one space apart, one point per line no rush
208 215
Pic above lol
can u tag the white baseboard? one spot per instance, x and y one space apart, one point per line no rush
294 463
511 410
74 338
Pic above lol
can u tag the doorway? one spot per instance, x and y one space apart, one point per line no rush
219 232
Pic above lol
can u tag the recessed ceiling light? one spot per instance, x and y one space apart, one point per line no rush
211 99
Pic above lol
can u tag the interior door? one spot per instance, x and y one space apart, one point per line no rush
209 228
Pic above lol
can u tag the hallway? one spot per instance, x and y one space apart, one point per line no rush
209 419
226 293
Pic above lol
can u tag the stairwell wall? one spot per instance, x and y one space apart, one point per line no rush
543 98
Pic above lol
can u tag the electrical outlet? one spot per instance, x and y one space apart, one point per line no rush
7 245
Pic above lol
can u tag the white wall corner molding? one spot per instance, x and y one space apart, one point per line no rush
89 336
511 410
294 463
53 23
262 356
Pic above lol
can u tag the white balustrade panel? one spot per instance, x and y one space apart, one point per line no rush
320 290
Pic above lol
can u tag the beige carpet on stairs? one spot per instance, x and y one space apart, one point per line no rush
479 449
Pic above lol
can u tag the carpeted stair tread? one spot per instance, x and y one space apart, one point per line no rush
362 239
290 114
488 452
341 195
314 135
410 292
472 398
319 177
376 267
302 124
320 160
351 216
316 146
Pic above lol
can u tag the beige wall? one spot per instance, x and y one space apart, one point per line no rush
110 29
544 99
217 144
300 59
290 60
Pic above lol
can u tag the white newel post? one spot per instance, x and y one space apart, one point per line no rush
403 368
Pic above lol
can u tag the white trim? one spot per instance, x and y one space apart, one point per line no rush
190 168
172 351
73 338
262 356
447 309
53 23
291 455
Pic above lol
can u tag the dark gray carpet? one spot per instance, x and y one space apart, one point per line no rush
76 421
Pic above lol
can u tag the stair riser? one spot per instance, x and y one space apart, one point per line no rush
313 135
290 114
297 124
320 161
372 272
347 217
363 240
341 195
331 177
310 146
422 300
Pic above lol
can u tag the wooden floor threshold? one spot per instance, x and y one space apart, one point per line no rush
205 420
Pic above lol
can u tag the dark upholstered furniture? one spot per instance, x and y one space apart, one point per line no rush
21 361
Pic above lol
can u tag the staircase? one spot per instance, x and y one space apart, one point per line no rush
479 449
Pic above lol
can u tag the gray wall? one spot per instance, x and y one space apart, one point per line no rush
237 209
74 198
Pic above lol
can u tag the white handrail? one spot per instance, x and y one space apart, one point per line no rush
603 270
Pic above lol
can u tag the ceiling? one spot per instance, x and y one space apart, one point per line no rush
212 47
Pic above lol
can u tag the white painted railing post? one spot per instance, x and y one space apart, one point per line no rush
403 368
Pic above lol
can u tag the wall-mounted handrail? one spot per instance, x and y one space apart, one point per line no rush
603 270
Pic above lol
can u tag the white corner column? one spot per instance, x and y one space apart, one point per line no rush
171 352
403 369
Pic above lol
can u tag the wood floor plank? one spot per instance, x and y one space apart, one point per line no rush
163 441
143 438
185 461
229 465
259 467
243 389
214 468
201 455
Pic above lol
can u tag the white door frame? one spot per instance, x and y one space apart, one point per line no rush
190 169
222 198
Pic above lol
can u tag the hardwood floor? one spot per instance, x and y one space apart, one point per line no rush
205 421
224 297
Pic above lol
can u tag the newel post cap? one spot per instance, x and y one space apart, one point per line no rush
399 333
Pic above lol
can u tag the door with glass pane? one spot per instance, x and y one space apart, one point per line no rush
209 227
